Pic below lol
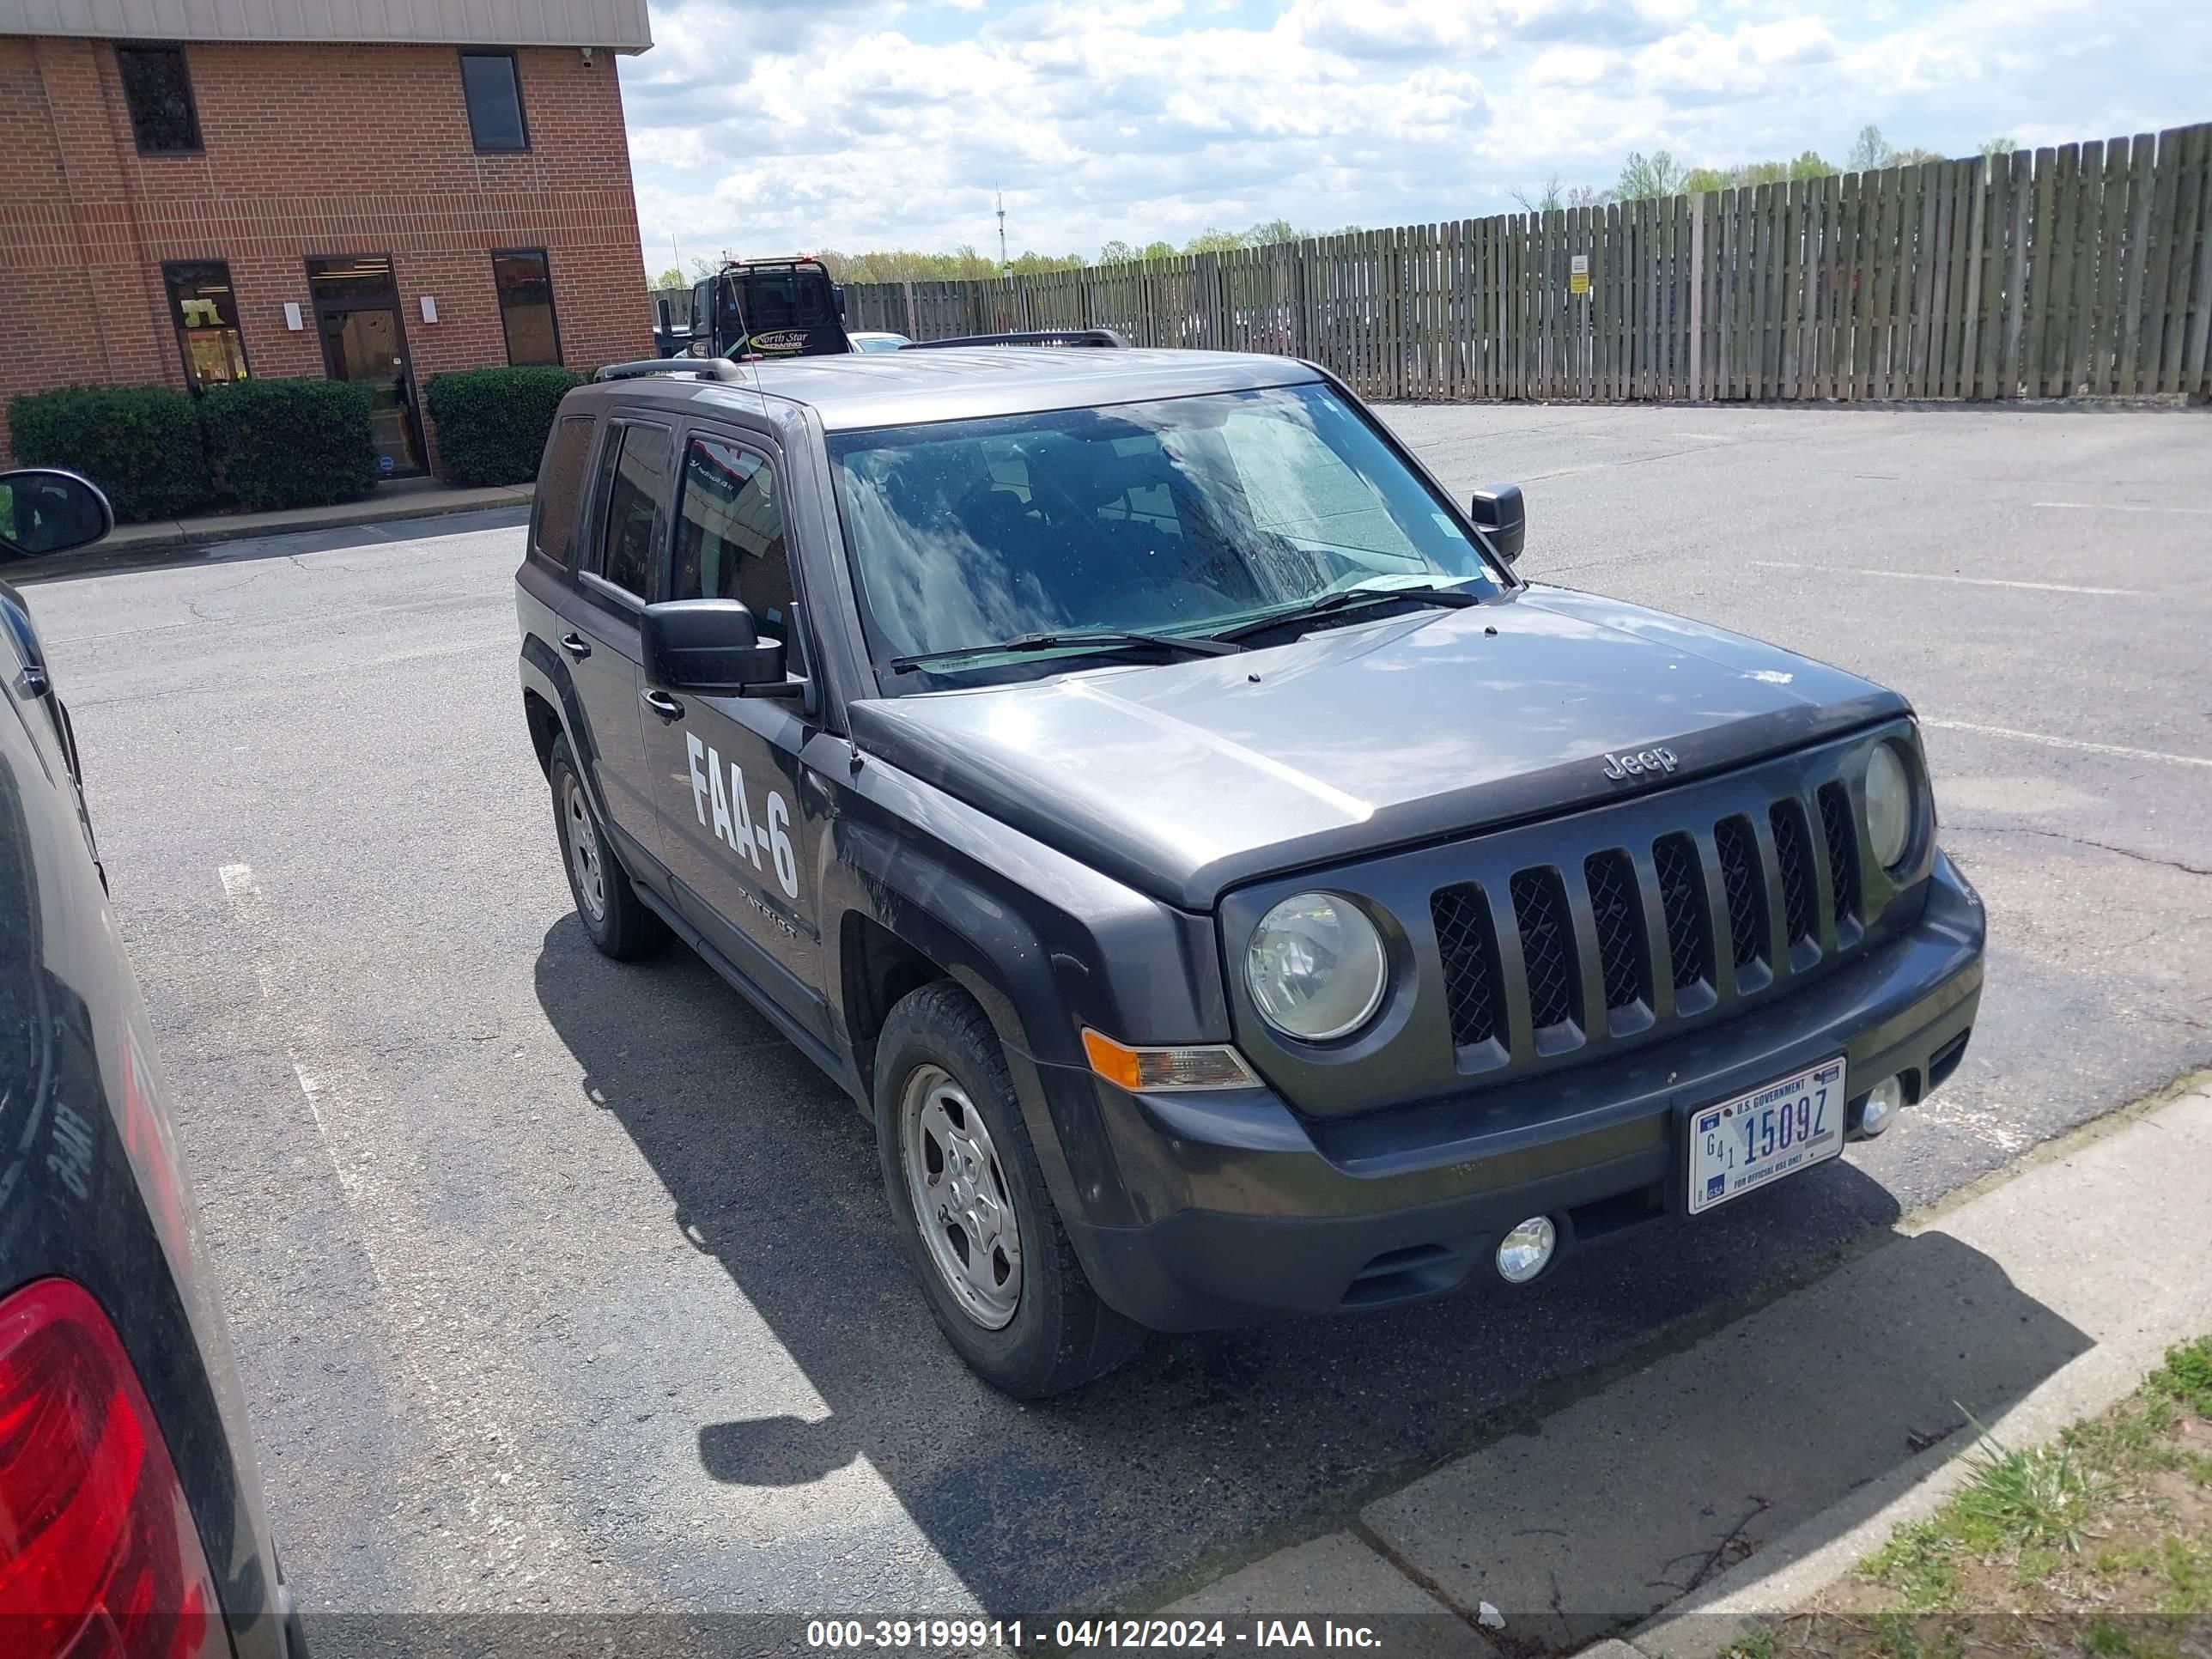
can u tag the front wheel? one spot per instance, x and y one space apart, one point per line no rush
971 1205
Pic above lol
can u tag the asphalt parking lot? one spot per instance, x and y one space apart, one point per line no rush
565 1285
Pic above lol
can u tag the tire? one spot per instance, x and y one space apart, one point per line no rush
606 904
1052 1333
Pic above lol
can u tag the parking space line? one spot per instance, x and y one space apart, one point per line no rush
2121 506
244 892
1970 581
2067 742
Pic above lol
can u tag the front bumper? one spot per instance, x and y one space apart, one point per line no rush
1245 1211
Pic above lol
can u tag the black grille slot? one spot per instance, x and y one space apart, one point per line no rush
1796 859
1682 892
1470 957
1618 912
1548 944
1746 888
1843 850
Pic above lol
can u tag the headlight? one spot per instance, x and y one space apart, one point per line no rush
1888 805
1316 967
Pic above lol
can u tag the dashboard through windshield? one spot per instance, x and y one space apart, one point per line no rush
1183 516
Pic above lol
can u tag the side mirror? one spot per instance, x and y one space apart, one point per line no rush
664 315
839 291
46 510
713 648
1499 513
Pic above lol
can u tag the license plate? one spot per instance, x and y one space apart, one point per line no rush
1757 1139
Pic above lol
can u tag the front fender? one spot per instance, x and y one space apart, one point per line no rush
1044 945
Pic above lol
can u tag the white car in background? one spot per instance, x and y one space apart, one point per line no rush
876 340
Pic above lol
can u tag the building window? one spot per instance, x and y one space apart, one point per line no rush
204 310
158 92
494 99
525 281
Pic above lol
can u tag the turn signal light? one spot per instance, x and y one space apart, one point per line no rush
99 1557
1210 1066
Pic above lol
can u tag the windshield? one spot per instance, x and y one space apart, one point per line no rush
1185 516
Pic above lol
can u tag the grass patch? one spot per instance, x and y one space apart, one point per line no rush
2099 1545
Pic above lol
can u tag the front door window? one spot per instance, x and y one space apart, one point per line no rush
357 309
740 824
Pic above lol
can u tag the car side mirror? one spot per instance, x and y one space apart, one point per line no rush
713 647
1498 511
46 510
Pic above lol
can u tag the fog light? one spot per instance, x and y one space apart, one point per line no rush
1881 1103
1527 1251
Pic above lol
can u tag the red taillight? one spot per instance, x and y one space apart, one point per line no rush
99 1557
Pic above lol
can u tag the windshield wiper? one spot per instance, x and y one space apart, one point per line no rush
1452 599
1107 639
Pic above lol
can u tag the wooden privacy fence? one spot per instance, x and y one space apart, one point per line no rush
2082 270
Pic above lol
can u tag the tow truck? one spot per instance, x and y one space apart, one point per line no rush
751 310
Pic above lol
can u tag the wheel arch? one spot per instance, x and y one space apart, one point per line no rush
545 726
904 916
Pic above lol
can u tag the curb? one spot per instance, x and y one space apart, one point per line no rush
1823 1551
158 539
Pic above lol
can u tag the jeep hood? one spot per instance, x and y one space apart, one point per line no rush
1186 778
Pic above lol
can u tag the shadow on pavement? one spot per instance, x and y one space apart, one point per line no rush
1162 1473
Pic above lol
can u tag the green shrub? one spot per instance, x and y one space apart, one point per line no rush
141 444
492 422
291 443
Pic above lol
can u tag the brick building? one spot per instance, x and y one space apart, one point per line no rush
377 190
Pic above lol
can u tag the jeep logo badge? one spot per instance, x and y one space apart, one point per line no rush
1644 761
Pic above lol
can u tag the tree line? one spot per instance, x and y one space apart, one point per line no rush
1642 178
965 264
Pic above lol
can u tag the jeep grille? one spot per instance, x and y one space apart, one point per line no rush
1588 936
1461 915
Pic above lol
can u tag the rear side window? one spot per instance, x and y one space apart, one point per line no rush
561 473
635 522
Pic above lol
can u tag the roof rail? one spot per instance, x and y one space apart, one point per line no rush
1043 337
707 368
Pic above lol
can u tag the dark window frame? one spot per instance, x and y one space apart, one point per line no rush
177 326
521 108
544 257
149 49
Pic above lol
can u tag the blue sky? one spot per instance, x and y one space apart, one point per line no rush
761 126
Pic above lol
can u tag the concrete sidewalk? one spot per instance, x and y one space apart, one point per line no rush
1730 1480
406 498
141 546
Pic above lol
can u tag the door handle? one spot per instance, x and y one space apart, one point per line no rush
662 704
576 646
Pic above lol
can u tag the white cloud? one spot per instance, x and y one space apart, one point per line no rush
1572 66
766 124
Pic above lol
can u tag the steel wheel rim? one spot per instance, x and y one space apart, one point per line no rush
957 1186
583 839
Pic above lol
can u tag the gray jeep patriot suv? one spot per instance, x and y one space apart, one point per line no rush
1231 890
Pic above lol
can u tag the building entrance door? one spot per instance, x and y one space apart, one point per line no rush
357 310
